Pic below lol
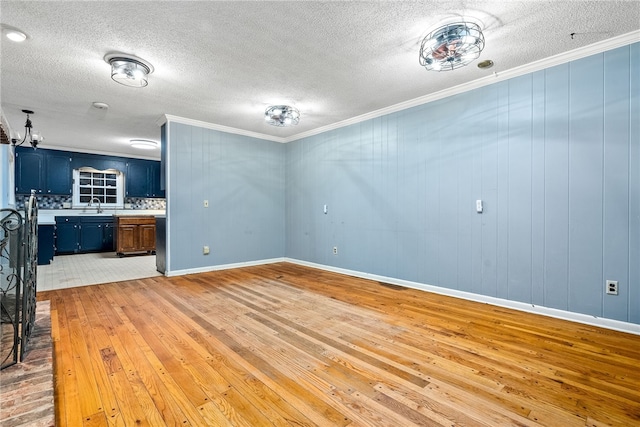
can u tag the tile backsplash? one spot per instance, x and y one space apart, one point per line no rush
55 202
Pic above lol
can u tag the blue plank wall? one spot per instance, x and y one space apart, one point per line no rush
243 180
4 176
554 155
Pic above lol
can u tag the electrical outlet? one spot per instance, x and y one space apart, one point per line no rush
335 250
205 250
611 287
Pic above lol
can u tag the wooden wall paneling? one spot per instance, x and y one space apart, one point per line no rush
519 146
538 184
634 183
615 205
586 91
556 213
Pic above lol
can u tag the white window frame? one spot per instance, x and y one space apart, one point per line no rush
97 185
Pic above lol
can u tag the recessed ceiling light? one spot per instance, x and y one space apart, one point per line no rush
16 35
144 144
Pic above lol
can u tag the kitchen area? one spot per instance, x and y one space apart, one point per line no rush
97 215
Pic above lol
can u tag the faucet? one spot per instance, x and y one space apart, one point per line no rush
98 200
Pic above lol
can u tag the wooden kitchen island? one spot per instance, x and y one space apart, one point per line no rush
135 234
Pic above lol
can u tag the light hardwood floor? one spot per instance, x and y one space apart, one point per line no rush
288 345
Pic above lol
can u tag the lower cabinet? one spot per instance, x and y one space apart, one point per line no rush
81 234
46 242
135 234
67 234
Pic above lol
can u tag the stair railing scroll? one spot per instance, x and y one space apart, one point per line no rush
18 280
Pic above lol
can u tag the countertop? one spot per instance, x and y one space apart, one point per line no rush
48 216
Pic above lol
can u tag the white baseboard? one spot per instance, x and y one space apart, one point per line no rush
602 322
223 267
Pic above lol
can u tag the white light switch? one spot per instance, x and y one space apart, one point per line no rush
325 209
206 203
479 206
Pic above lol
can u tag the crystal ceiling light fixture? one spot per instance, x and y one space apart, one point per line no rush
129 70
451 46
282 115
34 137
143 144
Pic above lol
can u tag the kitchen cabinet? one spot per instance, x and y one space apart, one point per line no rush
98 162
59 176
161 244
46 248
135 234
45 171
67 236
82 234
142 178
51 172
30 171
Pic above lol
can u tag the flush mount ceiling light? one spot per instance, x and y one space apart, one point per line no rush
282 115
100 105
451 46
33 136
129 70
144 144
15 35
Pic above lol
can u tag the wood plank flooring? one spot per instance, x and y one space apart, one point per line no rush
287 345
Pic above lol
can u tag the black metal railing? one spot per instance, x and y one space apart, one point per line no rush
18 280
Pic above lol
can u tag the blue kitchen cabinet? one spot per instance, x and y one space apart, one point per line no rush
156 186
51 172
30 171
82 234
107 237
67 234
137 179
143 178
59 175
90 237
98 162
45 171
46 242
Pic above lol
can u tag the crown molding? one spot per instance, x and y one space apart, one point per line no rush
561 58
176 119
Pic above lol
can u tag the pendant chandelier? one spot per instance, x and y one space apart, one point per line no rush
451 46
30 135
282 115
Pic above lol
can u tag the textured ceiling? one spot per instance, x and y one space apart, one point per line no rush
225 62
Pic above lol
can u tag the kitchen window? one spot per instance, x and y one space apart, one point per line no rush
91 186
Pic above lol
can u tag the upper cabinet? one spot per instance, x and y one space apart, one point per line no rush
46 172
30 171
142 179
51 172
59 173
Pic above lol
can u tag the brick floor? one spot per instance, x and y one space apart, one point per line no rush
26 389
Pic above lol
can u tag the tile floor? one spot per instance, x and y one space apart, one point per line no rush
68 271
